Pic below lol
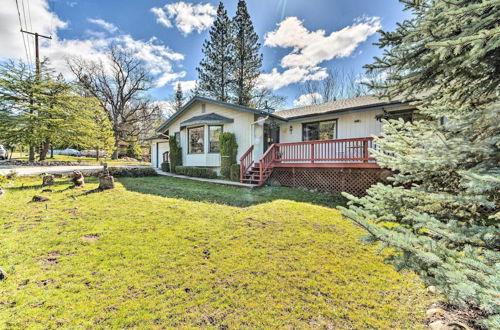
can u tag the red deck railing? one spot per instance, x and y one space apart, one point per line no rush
323 153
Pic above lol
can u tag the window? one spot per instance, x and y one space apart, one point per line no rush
196 139
214 133
320 130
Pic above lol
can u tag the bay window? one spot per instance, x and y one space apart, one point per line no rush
196 137
214 133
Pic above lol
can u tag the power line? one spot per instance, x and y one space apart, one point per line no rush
26 26
29 14
22 34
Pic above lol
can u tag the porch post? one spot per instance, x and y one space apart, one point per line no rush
157 154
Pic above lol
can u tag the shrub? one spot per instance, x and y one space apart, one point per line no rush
165 167
134 151
175 153
133 172
228 152
235 172
198 172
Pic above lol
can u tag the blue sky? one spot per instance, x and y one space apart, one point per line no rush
296 49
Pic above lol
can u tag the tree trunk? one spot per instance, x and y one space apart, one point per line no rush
97 153
117 149
51 151
31 157
44 150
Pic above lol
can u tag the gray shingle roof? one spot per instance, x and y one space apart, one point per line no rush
210 118
366 101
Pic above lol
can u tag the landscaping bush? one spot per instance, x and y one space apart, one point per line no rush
134 151
165 167
175 153
235 172
228 152
133 172
198 172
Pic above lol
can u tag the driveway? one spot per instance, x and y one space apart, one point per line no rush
37 170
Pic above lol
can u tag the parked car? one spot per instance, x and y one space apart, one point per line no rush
68 152
3 153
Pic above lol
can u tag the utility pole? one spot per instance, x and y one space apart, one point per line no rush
37 63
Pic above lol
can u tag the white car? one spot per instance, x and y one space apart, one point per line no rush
3 153
68 152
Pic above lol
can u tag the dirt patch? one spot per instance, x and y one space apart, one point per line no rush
455 318
90 237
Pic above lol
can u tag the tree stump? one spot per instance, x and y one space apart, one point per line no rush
48 180
78 179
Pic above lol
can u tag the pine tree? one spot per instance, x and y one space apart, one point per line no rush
214 73
247 57
179 98
441 214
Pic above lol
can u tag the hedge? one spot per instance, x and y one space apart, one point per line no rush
198 172
228 152
235 172
133 172
175 153
165 167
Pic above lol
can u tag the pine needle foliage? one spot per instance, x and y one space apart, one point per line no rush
441 213
214 73
247 56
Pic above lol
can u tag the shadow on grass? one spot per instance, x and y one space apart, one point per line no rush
227 195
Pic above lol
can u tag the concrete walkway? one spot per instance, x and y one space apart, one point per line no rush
217 181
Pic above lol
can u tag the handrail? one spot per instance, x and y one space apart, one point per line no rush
246 161
266 161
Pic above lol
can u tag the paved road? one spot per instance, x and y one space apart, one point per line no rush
37 170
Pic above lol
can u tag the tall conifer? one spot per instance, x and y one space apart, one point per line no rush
179 98
216 68
247 56
441 214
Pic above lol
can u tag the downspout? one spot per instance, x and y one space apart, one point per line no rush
157 154
252 133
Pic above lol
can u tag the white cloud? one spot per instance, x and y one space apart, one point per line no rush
159 58
187 85
311 48
307 99
110 27
188 17
276 80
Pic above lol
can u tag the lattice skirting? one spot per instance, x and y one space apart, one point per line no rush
352 180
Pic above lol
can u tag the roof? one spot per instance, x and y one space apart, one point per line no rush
211 118
160 136
360 102
211 101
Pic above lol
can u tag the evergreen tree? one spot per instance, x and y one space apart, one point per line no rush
179 98
247 58
441 214
216 67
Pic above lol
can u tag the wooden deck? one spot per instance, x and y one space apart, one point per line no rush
339 153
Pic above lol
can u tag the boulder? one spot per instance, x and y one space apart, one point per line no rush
3 274
40 198
106 182
47 190
442 325
435 312
78 179
48 180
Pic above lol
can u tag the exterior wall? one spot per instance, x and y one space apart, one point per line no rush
162 146
349 125
246 133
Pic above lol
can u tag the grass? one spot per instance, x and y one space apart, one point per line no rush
165 252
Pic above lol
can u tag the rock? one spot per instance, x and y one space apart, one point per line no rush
106 182
48 180
442 325
434 312
432 289
78 179
47 190
3 274
58 175
40 198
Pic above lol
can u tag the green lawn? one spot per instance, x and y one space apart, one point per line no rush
163 252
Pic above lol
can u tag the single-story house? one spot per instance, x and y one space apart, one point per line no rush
312 139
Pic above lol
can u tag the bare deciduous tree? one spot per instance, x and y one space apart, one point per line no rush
120 84
339 84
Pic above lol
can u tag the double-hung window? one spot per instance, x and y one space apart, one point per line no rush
196 137
214 133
